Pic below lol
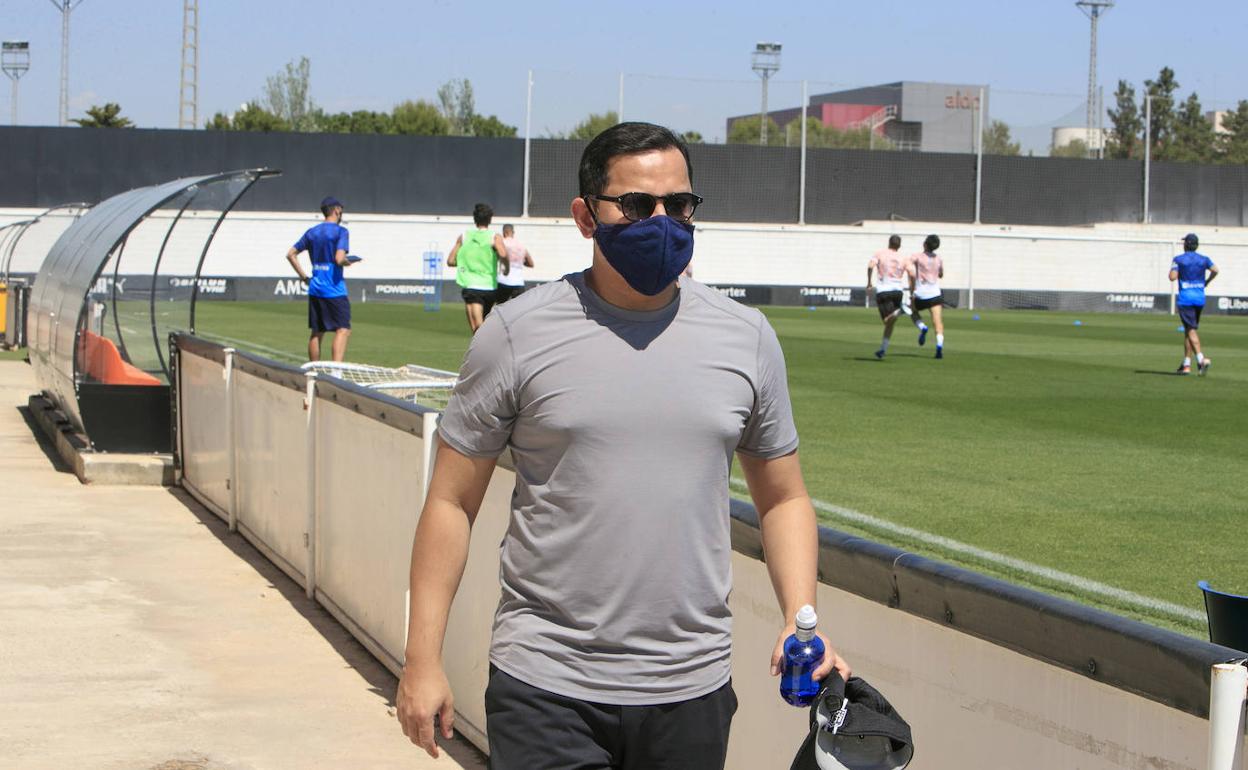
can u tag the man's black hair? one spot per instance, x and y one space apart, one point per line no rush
624 139
931 243
894 242
482 214
1191 242
326 209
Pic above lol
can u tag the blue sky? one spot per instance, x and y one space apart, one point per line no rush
369 54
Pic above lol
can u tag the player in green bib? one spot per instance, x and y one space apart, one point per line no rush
478 256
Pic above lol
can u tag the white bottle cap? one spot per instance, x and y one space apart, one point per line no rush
806 618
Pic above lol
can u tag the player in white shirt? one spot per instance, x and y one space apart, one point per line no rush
893 270
511 282
925 271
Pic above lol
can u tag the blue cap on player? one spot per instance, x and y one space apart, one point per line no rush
329 203
1191 242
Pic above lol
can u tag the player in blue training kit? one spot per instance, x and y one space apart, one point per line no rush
329 310
1189 269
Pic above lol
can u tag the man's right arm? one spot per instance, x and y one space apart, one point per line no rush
292 256
869 276
439 553
1213 273
450 258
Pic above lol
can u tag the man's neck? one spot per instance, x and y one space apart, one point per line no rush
613 289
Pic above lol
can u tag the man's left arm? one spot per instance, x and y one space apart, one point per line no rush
500 251
1213 273
791 544
344 245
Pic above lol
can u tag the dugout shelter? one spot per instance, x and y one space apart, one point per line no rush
110 290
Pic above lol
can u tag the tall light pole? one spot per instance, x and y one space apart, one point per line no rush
765 62
15 60
1094 10
188 93
65 7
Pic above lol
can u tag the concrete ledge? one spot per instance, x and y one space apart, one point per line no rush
93 467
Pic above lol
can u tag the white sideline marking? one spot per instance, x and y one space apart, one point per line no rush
244 344
1056 576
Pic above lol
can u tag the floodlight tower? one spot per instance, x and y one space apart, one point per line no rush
65 7
15 60
188 95
1094 10
765 62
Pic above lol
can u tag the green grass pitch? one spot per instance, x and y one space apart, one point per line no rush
1071 448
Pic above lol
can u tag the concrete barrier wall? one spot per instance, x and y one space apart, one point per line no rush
988 674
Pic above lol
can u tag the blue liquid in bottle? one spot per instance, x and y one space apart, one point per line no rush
803 651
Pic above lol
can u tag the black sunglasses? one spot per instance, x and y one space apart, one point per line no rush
637 206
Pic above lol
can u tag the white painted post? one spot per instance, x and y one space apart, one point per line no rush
970 275
979 155
1148 149
528 123
309 533
1228 686
231 448
428 451
801 200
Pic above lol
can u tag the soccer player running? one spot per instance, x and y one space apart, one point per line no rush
623 395
1190 269
893 269
329 309
511 281
478 255
926 270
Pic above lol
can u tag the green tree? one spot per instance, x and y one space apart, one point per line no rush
1124 140
253 117
491 126
218 122
997 140
458 106
1194 140
286 95
746 131
1076 148
1233 146
1161 125
820 136
331 122
107 116
593 125
692 137
419 118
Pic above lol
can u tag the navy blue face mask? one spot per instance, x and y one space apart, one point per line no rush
649 254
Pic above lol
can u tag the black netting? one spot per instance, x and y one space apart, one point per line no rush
1184 193
1061 191
552 177
844 186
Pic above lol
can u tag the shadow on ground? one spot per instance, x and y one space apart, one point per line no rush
378 677
45 444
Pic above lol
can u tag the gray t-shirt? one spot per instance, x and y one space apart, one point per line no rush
616 567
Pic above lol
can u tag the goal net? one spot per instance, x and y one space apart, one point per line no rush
430 388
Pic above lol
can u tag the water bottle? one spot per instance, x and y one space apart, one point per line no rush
803 652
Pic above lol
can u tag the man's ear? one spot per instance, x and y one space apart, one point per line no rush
583 218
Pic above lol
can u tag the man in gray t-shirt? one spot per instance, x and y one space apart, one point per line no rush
623 395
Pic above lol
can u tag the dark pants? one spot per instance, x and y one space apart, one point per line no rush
532 729
327 314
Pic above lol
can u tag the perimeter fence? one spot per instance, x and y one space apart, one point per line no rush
903 151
